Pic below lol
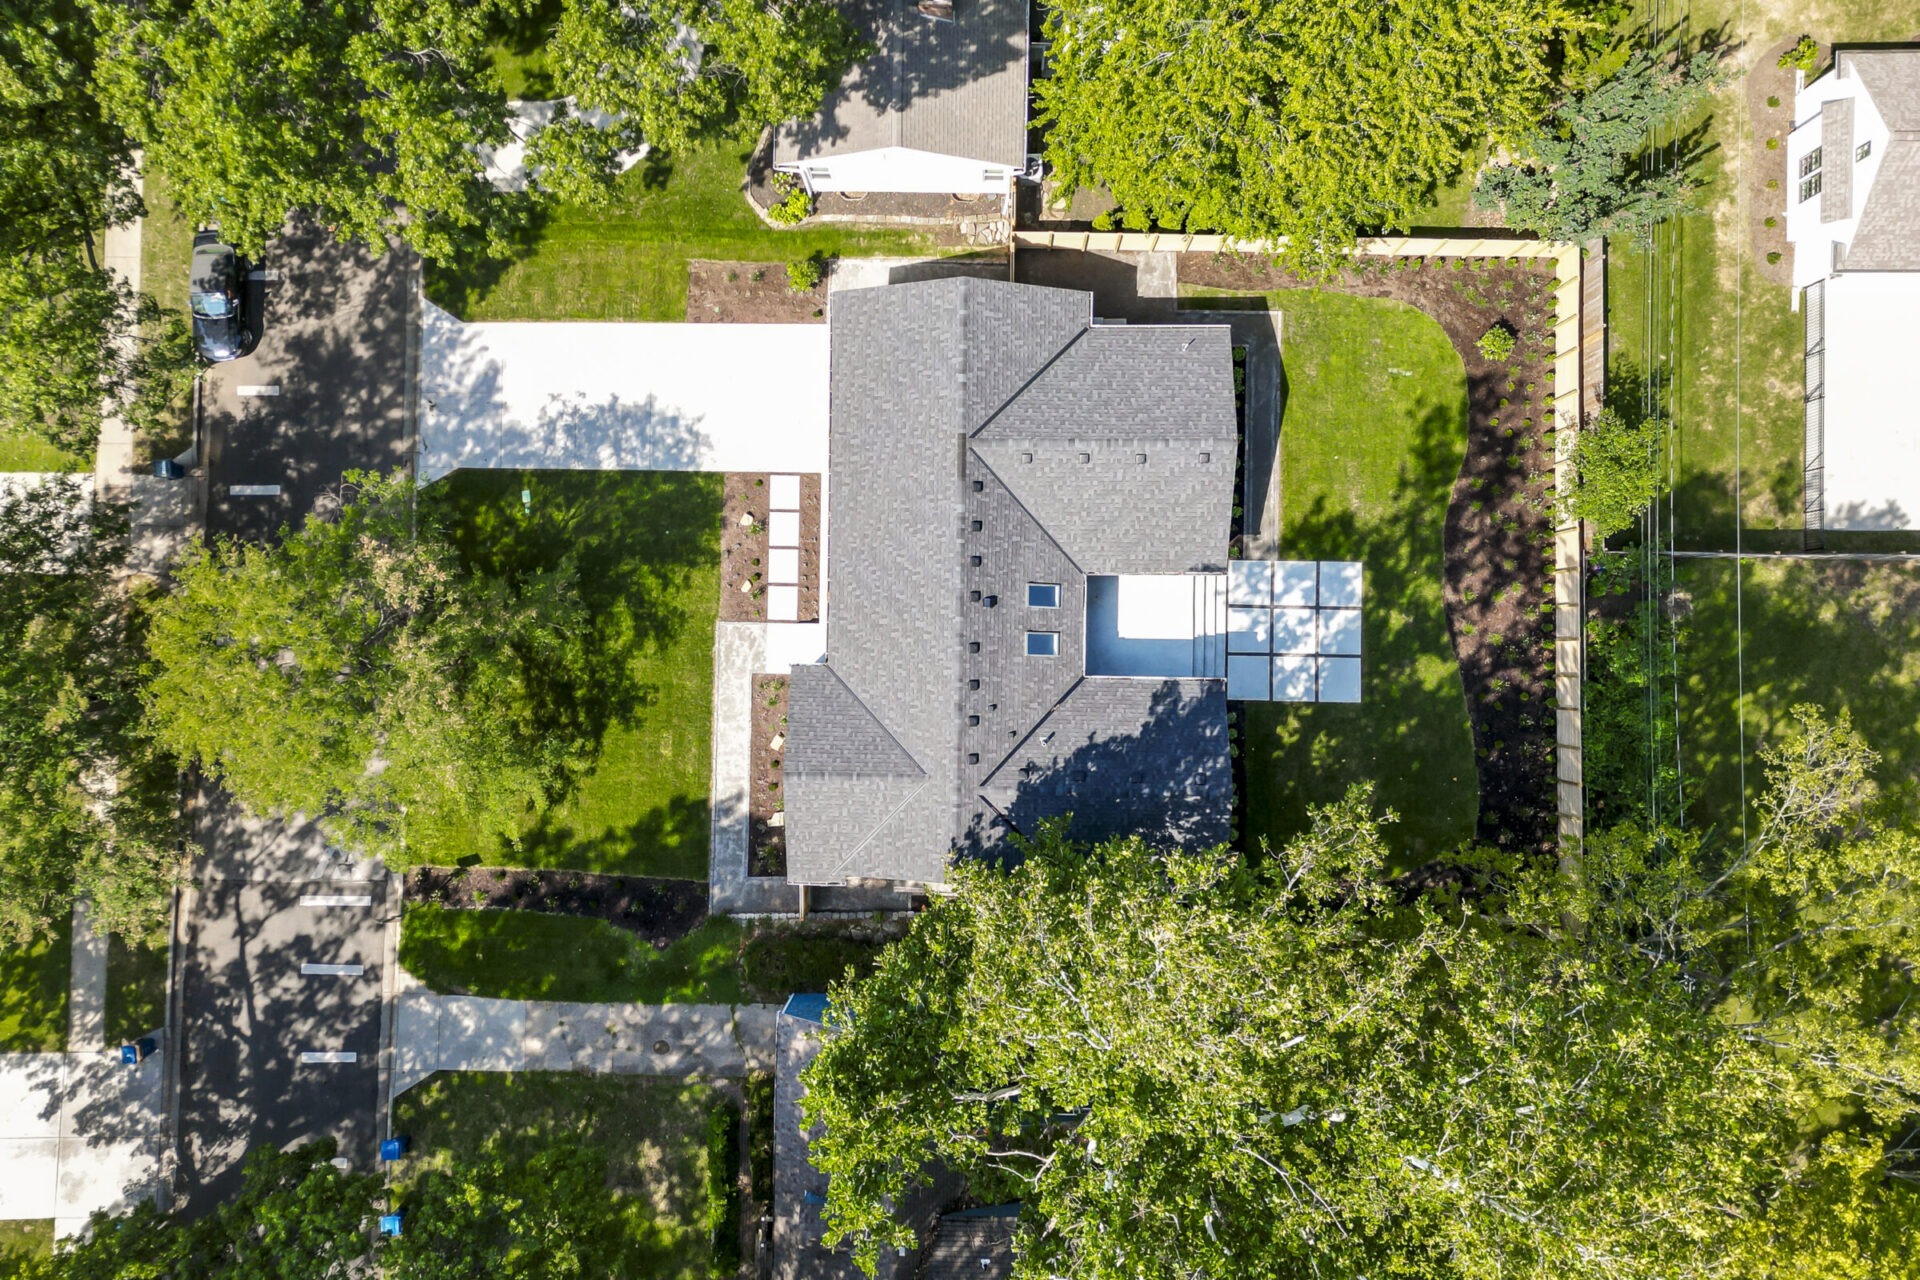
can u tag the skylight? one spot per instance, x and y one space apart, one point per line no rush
1043 644
1043 595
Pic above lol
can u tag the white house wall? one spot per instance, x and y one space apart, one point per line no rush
1872 415
903 169
1812 239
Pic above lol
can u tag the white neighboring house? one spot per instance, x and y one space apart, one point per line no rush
1853 219
940 107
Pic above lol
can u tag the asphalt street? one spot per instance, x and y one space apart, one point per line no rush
272 900
326 390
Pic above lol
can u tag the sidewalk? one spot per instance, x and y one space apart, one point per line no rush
78 1132
468 1033
86 986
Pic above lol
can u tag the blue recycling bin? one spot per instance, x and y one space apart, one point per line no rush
134 1054
393 1148
168 469
389 1224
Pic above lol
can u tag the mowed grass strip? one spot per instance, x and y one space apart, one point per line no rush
33 992
1371 440
627 259
524 955
648 549
23 451
652 1131
1843 636
136 985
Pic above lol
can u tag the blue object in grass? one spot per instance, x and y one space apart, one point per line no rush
389 1224
393 1148
134 1054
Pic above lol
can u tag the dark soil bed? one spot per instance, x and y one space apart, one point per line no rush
766 803
750 293
744 559
661 911
1499 528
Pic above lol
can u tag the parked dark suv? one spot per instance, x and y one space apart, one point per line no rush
217 296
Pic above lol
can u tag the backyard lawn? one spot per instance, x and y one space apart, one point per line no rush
1371 440
653 1133
648 547
33 993
627 259
1844 636
527 955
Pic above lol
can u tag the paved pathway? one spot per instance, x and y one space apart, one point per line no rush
435 1032
87 986
78 1132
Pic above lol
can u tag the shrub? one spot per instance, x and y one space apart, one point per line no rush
794 205
723 1187
805 273
1773 144
1772 221
1617 470
1497 343
1804 56
1773 99
1773 256
1104 221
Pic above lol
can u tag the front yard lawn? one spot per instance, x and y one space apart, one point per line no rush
1371 440
33 992
24 451
627 259
24 1241
648 547
1844 636
136 986
653 1133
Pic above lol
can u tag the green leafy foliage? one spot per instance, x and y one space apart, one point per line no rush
1618 469
364 114
805 273
676 71
86 802
794 207
1497 344
1803 56
357 669
1580 175
545 1217
1293 118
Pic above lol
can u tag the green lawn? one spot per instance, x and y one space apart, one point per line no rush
166 246
1843 636
22 1241
136 986
33 993
525 955
653 1133
627 260
21 451
1371 440
648 547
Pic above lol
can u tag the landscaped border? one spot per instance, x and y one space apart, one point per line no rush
1578 384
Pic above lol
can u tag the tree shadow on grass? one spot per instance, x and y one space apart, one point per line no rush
669 842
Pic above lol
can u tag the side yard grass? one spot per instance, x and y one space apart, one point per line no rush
654 1134
33 993
525 955
648 547
627 259
1844 636
1371 440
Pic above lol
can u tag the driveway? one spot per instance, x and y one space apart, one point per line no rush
326 391
272 904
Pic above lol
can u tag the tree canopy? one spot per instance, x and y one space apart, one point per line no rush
1185 1066
86 803
1296 118
357 671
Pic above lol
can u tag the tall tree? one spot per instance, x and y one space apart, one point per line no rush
86 803
356 671
1593 169
1297 118
1188 1068
673 71
549 1217
367 114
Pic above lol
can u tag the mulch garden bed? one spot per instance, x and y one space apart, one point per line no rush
744 559
1498 536
750 293
766 802
1767 177
661 911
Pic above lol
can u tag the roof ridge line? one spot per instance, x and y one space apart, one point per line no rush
1032 729
1022 389
1025 510
881 825
919 769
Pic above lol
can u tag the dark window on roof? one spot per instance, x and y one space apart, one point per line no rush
975 525
978 485
1043 595
1043 644
973 646
974 561
973 684
973 757
991 601
974 596
973 720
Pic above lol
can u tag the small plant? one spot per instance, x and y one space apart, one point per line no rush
804 274
1804 56
794 205
1497 343
1104 221
1771 221
1773 184
1773 99
1773 144
1773 256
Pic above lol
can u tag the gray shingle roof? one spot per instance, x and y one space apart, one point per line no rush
931 686
1888 235
954 88
977 1245
1892 77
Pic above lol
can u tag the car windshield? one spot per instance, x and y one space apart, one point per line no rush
211 306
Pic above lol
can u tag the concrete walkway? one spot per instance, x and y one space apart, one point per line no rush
87 986
434 1032
78 1132
739 652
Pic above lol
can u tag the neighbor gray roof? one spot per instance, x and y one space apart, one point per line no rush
954 88
1888 235
974 1245
952 490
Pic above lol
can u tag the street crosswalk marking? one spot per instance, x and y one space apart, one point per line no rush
311 970
336 900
